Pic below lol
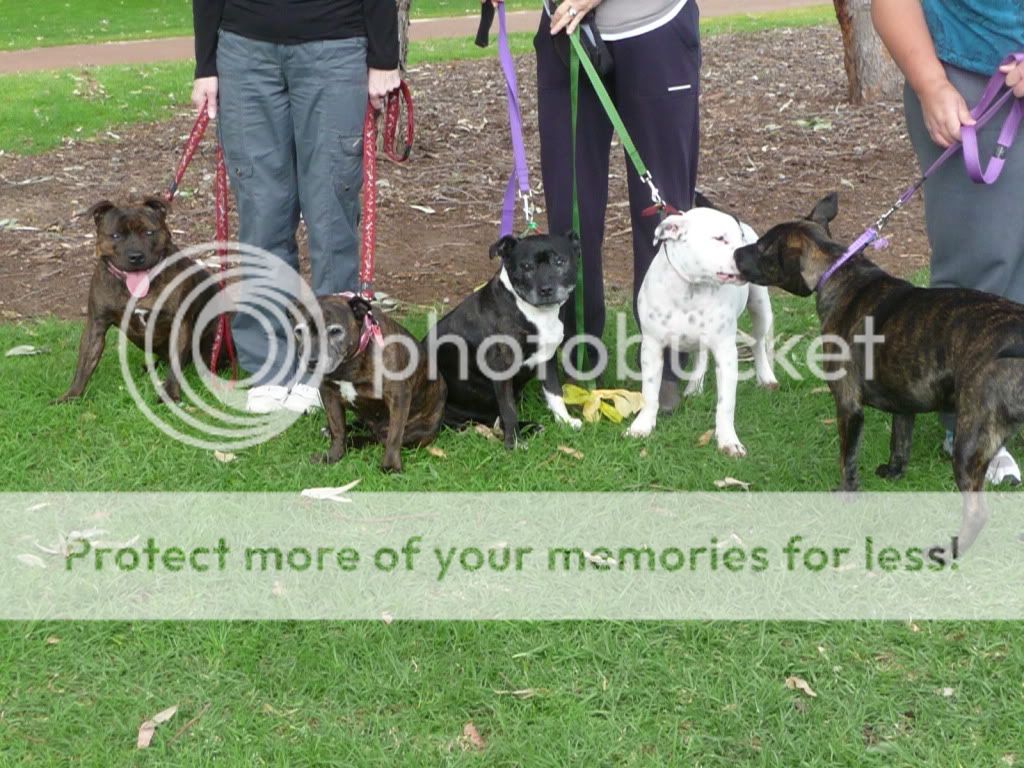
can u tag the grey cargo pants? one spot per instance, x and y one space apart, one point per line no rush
290 123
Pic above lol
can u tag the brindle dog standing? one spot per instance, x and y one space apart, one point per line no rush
949 350
131 242
397 409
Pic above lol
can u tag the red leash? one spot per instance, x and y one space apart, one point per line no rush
392 110
222 334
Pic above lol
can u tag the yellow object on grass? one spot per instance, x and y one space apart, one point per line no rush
613 404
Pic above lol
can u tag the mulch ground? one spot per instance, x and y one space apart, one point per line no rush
777 134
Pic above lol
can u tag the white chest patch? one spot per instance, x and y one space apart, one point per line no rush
348 392
550 330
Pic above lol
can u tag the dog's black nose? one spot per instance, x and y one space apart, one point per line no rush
546 291
136 257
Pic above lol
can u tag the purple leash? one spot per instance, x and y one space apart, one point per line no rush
988 106
519 179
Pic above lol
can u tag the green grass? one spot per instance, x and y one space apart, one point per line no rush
63 22
41 109
599 693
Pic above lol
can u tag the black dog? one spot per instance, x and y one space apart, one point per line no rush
495 341
949 350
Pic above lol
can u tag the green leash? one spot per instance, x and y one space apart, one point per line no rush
577 56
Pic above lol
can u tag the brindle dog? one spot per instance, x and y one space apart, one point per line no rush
944 349
132 244
398 409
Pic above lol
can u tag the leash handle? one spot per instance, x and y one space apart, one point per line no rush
1007 134
393 103
519 178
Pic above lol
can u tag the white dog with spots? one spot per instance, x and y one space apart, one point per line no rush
690 301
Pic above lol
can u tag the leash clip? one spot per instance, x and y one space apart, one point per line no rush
527 201
655 194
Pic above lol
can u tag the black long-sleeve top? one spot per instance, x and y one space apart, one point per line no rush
297 21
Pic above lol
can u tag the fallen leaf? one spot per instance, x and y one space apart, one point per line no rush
828 422
820 391
484 431
51 640
914 627
148 727
277 589
473 738
799 684
602 561
947 692
571 452
330 494
423 209
224 458
33 561
732 482
643 453
704 439
436 452
387 617
25 350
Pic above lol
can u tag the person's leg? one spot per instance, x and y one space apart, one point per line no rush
658 90
975 231
327 84
592 147
255 130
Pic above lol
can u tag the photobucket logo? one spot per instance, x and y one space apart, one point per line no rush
259 285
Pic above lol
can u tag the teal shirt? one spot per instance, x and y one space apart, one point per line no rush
975 34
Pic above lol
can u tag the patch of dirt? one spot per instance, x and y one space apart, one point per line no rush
777 134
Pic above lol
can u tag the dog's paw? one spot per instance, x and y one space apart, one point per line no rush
890 471
768 383
65 398
391 465
733 448
640 428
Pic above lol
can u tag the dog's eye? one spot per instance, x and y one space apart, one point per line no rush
335 330
527 268
115 235
150 233
722 239
559 261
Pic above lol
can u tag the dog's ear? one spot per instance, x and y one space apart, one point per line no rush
98 210
360 308
671 228
825 210
157 205
503 247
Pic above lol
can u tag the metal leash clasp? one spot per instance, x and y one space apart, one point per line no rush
655 194
528 208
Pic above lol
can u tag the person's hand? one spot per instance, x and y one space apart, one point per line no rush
570 13
944 112
204 89
382 82
1014 78
495 3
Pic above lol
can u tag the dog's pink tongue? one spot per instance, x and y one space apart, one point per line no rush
137 284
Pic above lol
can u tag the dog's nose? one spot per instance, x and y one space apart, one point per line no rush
547 291
136 257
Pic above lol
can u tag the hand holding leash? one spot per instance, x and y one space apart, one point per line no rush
568 15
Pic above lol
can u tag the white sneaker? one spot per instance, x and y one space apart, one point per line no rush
303 399
266 399
1003 469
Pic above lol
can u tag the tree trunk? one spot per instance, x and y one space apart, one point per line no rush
403 31
870 70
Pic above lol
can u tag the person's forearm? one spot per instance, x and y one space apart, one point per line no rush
206 16
902 27
381 34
